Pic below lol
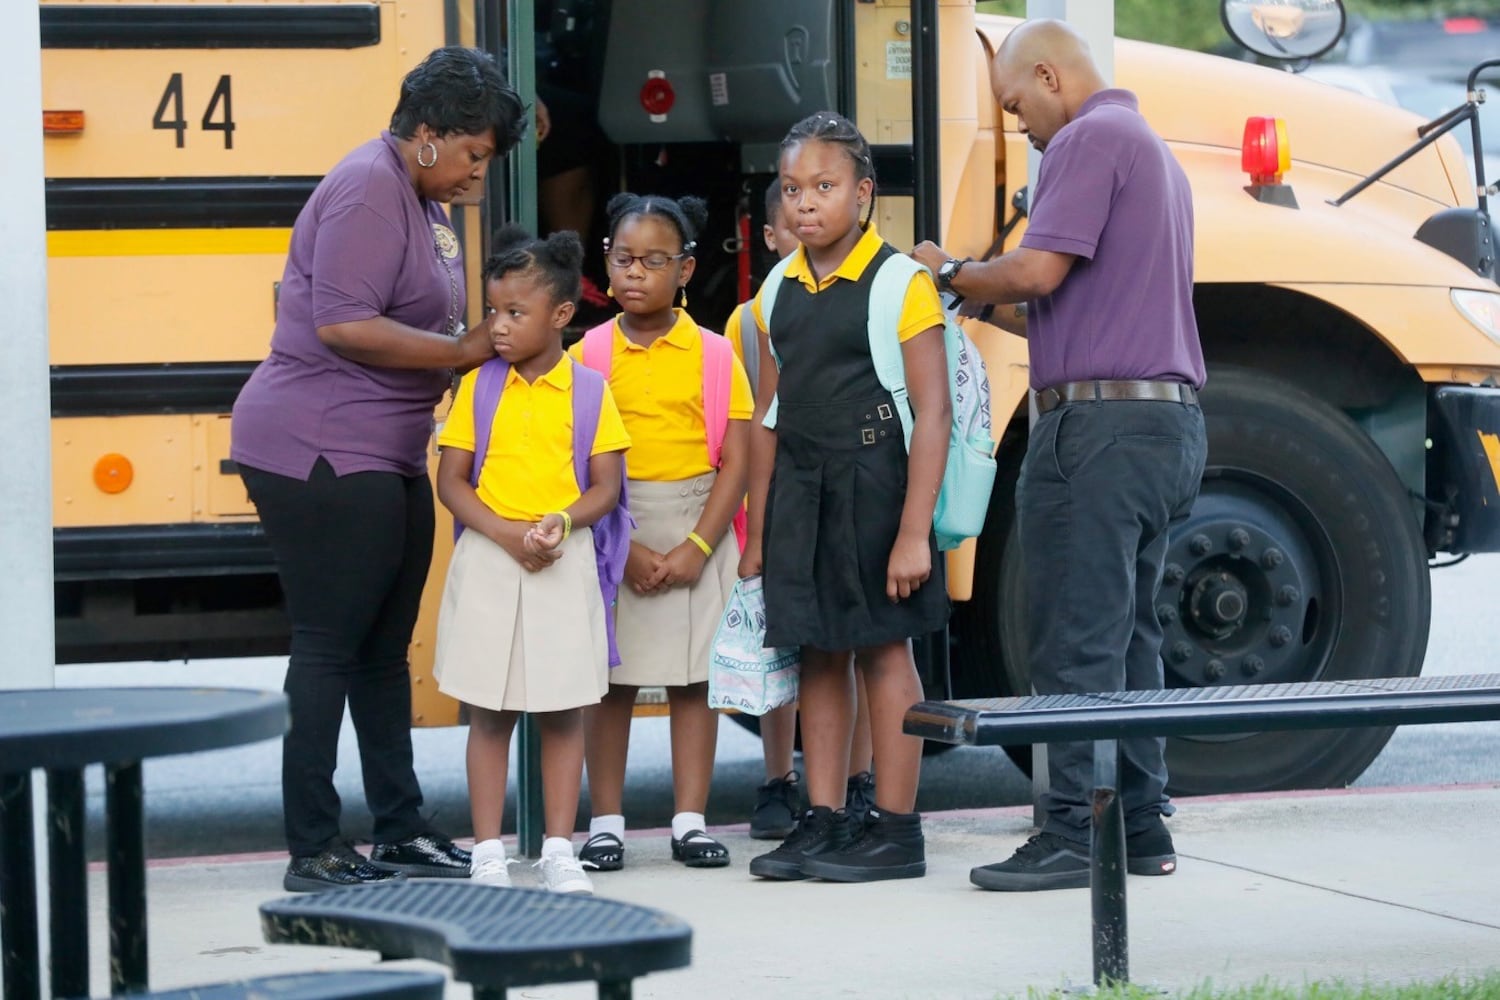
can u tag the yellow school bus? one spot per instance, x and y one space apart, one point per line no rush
1353 351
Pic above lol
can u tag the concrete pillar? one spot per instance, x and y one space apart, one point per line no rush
25 409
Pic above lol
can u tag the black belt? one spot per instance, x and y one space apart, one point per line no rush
1053 396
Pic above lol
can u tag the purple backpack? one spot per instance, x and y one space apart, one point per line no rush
612 532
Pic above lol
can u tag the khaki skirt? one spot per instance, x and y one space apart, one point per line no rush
510 640
666 639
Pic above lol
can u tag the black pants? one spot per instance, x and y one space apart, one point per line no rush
1101 485
352 553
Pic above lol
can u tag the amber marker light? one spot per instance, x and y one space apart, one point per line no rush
62 122
113 473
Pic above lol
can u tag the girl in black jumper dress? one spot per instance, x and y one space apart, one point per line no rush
840 515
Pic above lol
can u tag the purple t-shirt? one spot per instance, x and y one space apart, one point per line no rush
1111 193
364 245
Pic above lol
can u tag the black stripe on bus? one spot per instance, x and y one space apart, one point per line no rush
282 26
118 390
896 167
175 202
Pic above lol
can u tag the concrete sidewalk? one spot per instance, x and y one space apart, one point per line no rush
1380 885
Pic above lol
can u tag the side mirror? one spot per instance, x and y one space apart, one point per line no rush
1284 29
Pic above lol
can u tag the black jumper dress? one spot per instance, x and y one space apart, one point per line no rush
834 505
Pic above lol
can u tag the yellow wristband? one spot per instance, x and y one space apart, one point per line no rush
697 540
567 520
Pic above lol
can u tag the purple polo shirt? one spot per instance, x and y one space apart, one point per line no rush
1111 194
364 245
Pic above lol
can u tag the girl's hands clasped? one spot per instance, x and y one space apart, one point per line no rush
516 539
643 569
683 565
909 567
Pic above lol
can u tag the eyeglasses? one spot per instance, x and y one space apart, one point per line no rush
650 261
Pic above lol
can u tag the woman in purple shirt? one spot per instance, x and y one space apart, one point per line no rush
330 434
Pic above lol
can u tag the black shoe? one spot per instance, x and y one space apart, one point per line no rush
1150 851
778 803
427 855
859 798
699 850
603 852
819 830
334 868
1046 861
890 846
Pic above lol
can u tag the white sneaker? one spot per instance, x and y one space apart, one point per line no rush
564 873
490 871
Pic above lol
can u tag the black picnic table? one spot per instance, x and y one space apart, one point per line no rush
64 730
492 938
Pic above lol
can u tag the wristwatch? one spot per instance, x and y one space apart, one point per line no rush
947 271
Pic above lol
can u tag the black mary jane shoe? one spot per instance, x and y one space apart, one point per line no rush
699 850
603 852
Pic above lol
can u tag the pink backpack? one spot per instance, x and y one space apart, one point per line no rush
718 372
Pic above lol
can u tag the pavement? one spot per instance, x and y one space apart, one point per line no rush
1366 885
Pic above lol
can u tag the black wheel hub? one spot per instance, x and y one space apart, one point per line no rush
1240 593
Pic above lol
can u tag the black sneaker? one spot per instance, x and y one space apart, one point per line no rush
820 829
890 846
334 868
859 797
1046 861
1150 851
778 803
427 855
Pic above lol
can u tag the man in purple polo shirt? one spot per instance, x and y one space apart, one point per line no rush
1115 457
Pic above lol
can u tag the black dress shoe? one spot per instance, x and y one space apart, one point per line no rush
427 855
334 868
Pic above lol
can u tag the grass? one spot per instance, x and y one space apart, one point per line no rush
1485 987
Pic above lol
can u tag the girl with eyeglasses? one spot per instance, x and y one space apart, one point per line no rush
686 403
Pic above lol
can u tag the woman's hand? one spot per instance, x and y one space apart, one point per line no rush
476 347
909 567
643 570
683 565
750 560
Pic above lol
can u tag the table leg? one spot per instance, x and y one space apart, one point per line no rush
1107 868
529 818
125 820
68 878
22 975
615 989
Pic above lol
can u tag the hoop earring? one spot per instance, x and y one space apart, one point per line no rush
427 145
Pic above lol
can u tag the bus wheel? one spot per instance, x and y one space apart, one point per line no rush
1303 560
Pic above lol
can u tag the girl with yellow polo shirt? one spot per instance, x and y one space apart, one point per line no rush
683 556
840 511
523 625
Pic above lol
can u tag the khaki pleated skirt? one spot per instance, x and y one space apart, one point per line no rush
666 639
511 640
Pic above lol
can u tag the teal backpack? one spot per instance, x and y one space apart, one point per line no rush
969 476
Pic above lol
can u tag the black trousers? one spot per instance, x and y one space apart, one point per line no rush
353 554
1101 485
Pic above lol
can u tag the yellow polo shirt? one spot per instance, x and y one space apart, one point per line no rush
528 471
659 390
921 310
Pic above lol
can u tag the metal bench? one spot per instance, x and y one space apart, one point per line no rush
1107 717
491 938
361 984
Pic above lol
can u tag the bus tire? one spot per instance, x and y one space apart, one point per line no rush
1303 519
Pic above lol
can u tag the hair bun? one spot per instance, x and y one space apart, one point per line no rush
565 249
509 237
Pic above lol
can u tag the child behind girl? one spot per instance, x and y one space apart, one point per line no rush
840 513
521 628
682 555
778 802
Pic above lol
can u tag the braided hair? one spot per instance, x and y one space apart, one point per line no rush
688 215
556 262
832 127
